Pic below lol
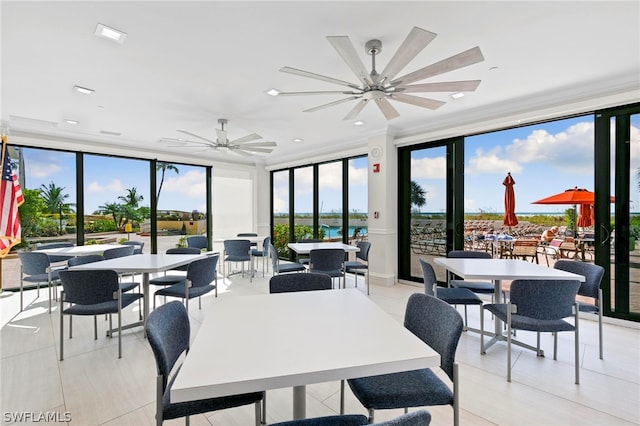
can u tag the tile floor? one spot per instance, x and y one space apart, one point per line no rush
93 387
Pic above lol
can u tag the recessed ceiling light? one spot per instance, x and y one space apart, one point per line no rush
68 121
298 140
273 92
457 95
110 33
358 123
83 90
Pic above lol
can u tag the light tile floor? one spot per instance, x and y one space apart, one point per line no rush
94 387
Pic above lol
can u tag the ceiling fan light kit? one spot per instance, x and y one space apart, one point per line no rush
384 86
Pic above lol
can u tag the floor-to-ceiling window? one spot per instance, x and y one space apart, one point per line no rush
330 212
358 198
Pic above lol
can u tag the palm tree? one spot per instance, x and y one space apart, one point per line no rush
417 195
114 209
162 167
53 198
132 198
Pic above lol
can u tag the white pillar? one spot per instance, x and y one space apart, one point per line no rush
382 211
263 201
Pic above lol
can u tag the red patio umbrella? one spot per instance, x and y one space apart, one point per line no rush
573 196
585 218
510 218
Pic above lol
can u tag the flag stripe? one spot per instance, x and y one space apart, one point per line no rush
10 199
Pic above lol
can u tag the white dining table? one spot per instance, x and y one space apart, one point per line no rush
305 248
144 264
80 250
270 341
497 270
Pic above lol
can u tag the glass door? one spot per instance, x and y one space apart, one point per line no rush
618 219
426 229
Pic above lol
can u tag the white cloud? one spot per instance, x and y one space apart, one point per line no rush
43 170
429 168
114 186
491 162
191 185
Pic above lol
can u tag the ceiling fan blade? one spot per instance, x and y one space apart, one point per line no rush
240 152
308 74
264 150
356 110
199 137
257 145
248 138
417 101
387 109
348 53
330 104
415 42
461 60
325 92
446 86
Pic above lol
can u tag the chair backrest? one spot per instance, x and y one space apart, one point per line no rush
428 276
273 254
168 331
299 282
81 260
414 418
468 254
89 287
544 299
203 271
436 323
364 247
183 250
237 249
198 241
591 272
330 259
118 252
246 234
34 263
265 245
137 246
60 244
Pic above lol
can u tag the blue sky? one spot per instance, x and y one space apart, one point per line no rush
543 159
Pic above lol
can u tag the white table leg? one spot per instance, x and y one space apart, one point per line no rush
299 402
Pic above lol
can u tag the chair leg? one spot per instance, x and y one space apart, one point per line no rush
371 415
258 410
264 408
61 328
119 296
509 342
555 346
481 330
456 395
599 301
577 345
95 327
341 397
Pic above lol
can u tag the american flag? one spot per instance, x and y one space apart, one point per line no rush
10 198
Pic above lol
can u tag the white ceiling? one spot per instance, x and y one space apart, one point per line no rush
184 65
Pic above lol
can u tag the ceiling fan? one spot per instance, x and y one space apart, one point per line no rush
243 146
382 87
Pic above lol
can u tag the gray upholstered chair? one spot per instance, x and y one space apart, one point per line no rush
328 261
138 246
451 295
540 306
198 241
36 268
238 251
355 266
286 267
299 282
481 287
589 288
168 331
264 253
200 274
93 293
114 253
304 259
414 418
249 234
438 325
171 279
